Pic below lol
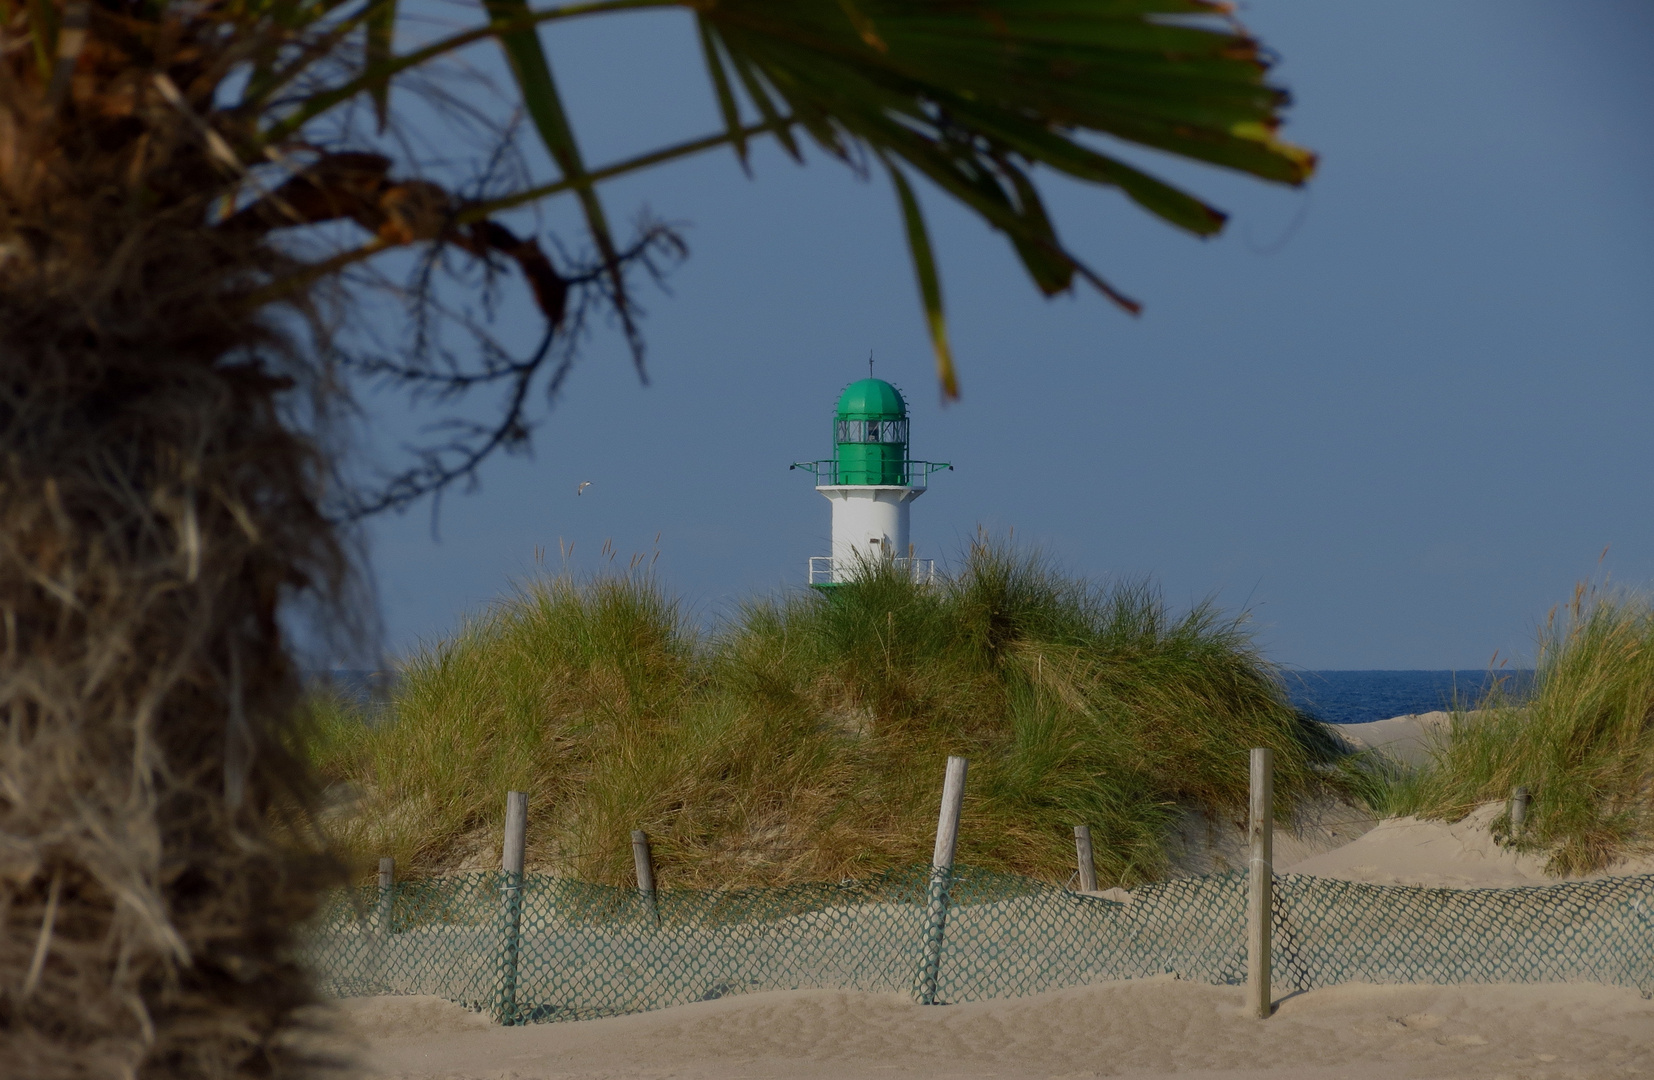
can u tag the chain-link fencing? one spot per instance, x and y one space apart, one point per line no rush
550 948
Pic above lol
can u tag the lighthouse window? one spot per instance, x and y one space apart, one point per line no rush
872 431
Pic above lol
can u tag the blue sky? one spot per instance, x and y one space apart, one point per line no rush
1397 414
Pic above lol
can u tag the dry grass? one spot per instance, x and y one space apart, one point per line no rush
1582 741
805 740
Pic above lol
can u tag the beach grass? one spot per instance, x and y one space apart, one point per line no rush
1581 740
804 739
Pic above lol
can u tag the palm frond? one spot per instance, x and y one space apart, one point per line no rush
930 284
381 29
532 70
974 95
953 88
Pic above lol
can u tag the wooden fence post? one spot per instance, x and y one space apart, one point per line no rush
1261 881
644 862
387 884
1088 864
511 906
1519 800
941 874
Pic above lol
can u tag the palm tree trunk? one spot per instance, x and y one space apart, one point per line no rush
156 511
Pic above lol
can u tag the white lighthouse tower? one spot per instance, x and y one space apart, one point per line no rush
871 483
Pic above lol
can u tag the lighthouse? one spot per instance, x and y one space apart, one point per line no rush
871 483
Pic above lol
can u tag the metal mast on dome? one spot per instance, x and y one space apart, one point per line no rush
870 482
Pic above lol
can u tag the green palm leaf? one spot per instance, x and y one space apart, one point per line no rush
930 284
971 95
43 34
727 107
381 28
532 70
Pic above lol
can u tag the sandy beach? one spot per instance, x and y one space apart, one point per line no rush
1139 1029
1147 1028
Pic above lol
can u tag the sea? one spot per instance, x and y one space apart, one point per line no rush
1333 697
1357 697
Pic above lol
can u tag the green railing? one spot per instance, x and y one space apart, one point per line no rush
914 474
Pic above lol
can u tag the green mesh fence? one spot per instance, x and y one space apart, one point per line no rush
582 950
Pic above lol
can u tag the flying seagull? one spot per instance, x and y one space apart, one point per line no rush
584 484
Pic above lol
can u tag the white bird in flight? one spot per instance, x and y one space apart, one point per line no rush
584 484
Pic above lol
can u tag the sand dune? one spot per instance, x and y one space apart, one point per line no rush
1409 739
1461 855
1336 840
1204 845
1409 851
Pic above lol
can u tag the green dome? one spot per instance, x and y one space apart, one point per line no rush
871 399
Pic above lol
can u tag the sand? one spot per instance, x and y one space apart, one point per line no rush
1203 845
1141 1029
1409 851
1409 739
1336 840
1461 855
1146 1028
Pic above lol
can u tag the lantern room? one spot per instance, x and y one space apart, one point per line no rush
870 434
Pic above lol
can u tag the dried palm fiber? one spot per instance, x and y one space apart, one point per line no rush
157 507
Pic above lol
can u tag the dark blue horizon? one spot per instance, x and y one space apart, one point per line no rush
1361 696
1334 697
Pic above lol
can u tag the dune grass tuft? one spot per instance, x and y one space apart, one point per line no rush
1581 741
805 738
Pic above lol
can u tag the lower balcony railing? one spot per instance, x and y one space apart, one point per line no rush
826 570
